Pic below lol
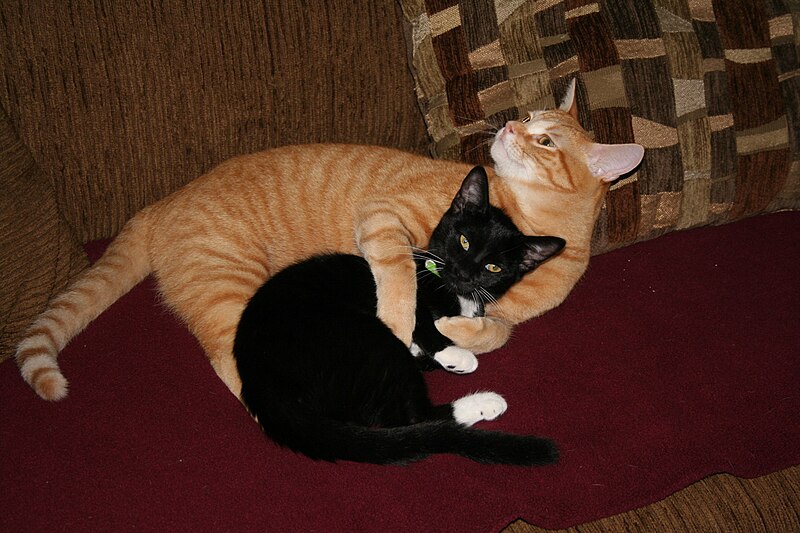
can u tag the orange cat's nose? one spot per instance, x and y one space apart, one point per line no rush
516 127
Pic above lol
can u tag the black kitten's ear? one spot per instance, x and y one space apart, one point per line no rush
474 192
539 249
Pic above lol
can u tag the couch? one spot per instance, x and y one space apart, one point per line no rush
107 106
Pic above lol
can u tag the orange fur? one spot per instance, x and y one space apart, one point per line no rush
212 243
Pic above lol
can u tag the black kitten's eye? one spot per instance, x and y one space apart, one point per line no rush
491 267
545 141
464 242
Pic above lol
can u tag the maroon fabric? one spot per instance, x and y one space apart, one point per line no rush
671 360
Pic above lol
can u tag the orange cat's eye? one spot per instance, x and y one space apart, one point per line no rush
464 243
545 141
525 119
493 268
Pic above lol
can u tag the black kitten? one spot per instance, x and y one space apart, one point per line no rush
475 255
325 377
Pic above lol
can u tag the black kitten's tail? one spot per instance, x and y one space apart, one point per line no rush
330 440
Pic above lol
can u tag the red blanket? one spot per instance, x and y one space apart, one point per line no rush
671 360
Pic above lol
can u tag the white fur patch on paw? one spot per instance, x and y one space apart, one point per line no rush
416 351
477 407
458 360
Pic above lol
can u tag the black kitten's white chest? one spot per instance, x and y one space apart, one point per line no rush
470 308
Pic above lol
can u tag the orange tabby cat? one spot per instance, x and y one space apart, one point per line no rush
212 243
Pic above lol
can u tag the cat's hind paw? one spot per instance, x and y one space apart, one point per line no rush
457 360
479 406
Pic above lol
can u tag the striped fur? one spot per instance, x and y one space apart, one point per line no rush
212 243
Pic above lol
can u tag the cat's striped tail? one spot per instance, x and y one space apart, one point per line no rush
124 264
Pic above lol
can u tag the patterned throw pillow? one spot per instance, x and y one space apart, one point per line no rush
709 87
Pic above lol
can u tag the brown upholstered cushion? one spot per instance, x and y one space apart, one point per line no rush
38 253
710 88
121 103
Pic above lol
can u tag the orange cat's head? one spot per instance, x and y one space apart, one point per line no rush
551 149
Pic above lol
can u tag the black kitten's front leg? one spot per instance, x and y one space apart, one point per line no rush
426 363
432 350
427 340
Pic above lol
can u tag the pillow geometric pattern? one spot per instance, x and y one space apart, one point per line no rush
709 88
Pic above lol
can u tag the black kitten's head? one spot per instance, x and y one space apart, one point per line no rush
479 252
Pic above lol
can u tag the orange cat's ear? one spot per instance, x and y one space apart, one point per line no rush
569 102
610 161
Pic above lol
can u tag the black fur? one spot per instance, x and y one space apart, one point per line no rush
327 378
493 239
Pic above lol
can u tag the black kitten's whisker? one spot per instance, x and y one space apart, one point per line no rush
491 297
428 253
428 258
477 297
399 247
481 297
423 275
416 252
487 296
418 249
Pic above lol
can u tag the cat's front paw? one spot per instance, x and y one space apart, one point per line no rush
478 334
477 407
457 360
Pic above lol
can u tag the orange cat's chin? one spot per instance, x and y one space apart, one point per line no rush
506 155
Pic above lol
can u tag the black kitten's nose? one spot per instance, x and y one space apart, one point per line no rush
462 276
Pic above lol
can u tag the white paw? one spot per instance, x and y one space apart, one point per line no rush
477 407
458 360
416 351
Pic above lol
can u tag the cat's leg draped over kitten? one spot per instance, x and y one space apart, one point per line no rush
386 242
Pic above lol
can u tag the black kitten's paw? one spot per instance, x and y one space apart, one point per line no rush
457 360
478 406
